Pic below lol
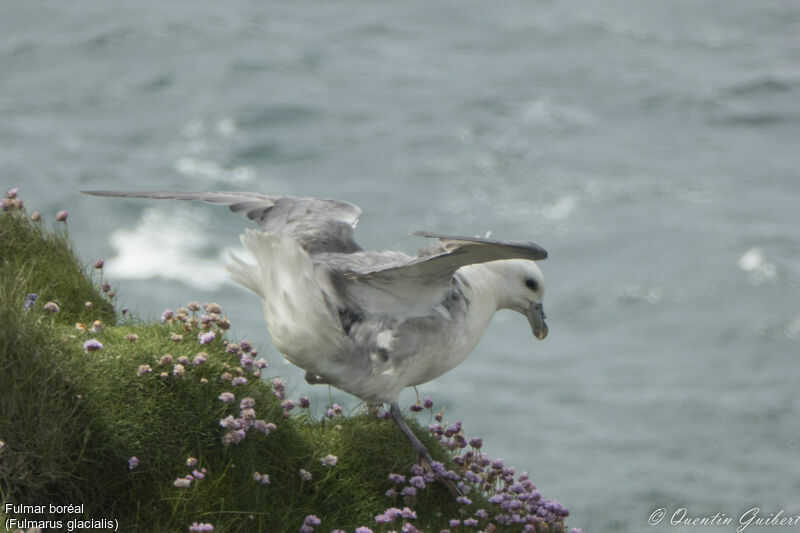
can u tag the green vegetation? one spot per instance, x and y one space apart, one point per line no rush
75 413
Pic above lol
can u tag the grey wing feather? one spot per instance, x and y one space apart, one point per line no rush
416 283
318 224
455 252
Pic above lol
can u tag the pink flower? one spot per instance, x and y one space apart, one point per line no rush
62 215
133 462
92 345
227 397
329 460
183 482
99 264
143 369
206 337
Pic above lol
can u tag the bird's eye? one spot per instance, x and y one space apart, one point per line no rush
531 284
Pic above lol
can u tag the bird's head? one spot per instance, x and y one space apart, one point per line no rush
523 286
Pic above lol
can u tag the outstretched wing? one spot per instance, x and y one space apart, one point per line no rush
317 224
455 252
416 284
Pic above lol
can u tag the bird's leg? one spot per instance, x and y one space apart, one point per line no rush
397 416
312 379
419 448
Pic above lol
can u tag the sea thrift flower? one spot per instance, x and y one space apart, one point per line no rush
232 347
363 529
463 500
199 474
206 337
337 408
245 346
36 216
303 402
183 482
261 478
212 308
97 326
397 478
312 520
88 304
408 514
416 408
183 360
305 474
202 527
223 323
246 402
263 427
165 360
193 306
233 437
12 193
30 298
178 371
51 307
470 522
105 287
62 215
133 462
167 315
191 462
287 405
226 377
143 369
175 337
427 402
278 388
329 460
131 337
239 380
99 264
92 345
476 442
200 358
417 482
408 491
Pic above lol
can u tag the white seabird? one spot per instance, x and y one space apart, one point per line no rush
371 323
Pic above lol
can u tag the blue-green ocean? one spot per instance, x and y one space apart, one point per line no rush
653 148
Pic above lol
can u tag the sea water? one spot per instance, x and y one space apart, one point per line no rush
650 147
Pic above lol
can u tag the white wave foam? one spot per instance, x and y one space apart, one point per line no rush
169 244
759 269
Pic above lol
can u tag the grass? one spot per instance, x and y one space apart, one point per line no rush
73 418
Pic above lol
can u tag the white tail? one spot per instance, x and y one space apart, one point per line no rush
292 299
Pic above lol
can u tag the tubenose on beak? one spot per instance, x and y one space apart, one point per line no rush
536 316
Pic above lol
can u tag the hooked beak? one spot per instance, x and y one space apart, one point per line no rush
536 316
